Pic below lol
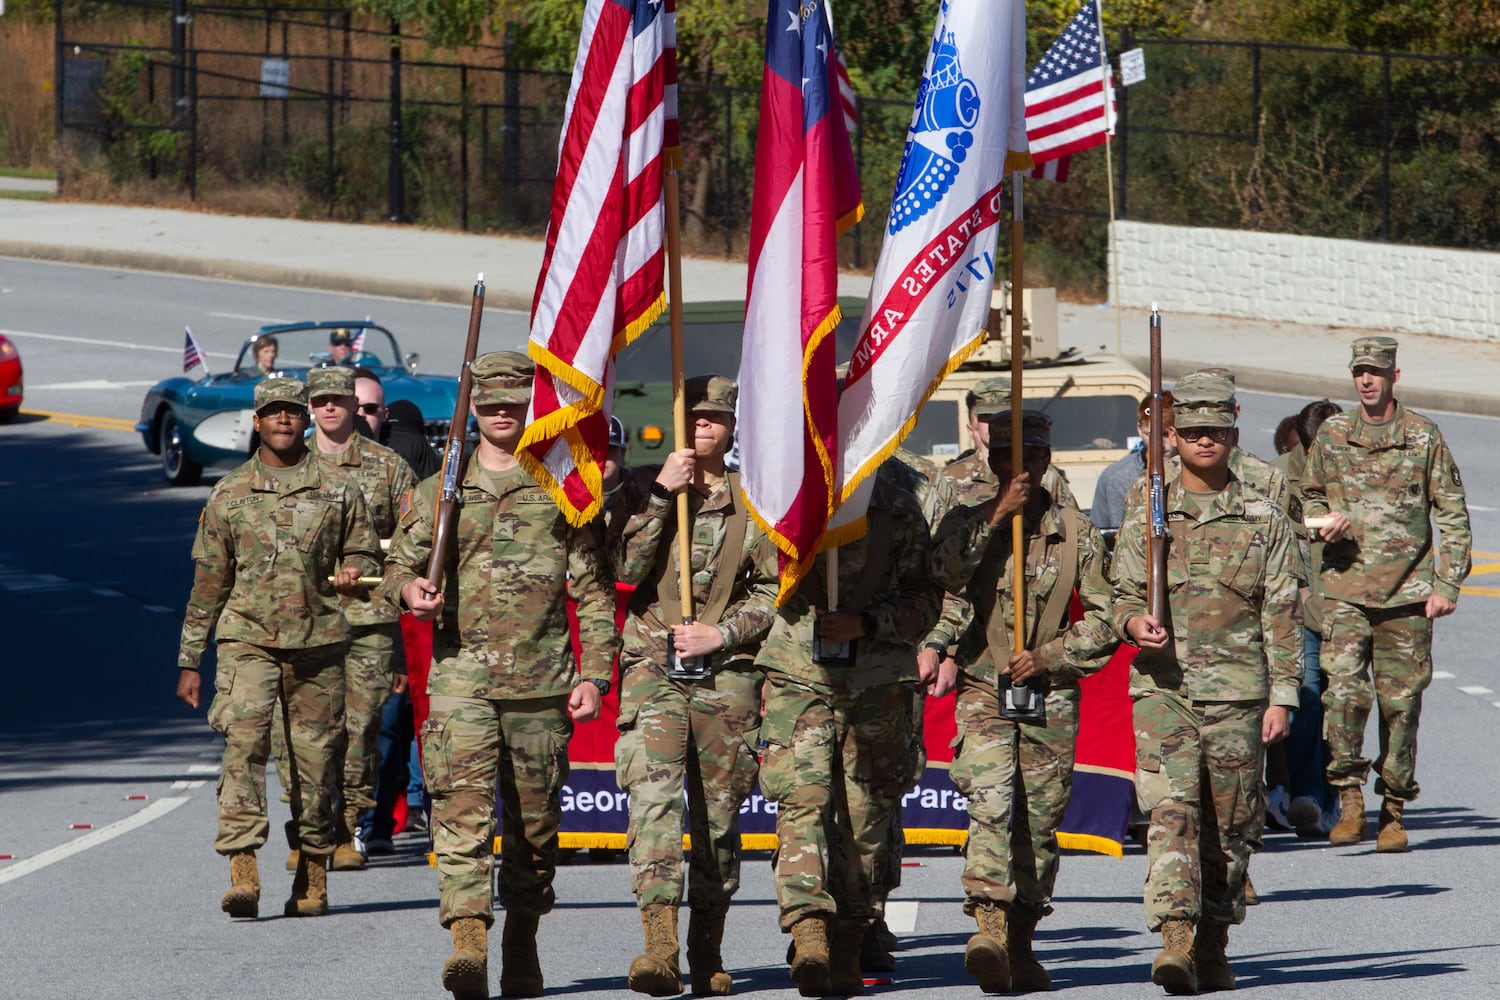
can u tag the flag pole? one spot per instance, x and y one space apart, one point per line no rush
679 400
1017 347
1109 181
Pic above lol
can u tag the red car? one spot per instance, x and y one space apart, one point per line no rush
10 380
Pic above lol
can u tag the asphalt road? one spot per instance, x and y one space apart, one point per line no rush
94 569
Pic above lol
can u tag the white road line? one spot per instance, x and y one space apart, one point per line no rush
1487 510
1475 689
93 341
266 320
90 385
93 838
182 785
1495 703
901 915
1441 675
203 769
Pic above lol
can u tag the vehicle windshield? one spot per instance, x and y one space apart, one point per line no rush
300 348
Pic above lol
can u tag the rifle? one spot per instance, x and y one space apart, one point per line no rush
453 450
1156 509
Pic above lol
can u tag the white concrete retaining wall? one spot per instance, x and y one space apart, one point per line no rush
1306 279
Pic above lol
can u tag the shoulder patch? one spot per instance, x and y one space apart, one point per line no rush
1453 473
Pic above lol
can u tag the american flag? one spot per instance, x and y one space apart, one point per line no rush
357 344
846 87
806 195
192 354
1065 96
602 277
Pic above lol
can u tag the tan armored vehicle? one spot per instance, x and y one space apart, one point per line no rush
1091 400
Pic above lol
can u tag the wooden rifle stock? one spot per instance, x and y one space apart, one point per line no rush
1156 508
453 450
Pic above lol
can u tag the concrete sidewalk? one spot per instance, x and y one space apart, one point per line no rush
405 262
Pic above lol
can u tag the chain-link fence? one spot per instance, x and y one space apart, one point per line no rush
357 121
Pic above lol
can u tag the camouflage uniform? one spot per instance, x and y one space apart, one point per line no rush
375 650
1018 776
1392 481
268 540
502 672
836 740
674 731
1232 597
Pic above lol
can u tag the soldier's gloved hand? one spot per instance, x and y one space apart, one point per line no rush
583 703
677 471
1275 725
1023 666
1336 529
188 686
696 639
424 600
1147 633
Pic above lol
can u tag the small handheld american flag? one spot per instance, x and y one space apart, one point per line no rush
192 354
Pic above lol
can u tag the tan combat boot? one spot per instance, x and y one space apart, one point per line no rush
309 887
1391 838
657 972
985 958
520 969
1026 973
1210 958
1350 828
1172 969
243 897
810 955
844 975
347 857
466 973
292 859
705 964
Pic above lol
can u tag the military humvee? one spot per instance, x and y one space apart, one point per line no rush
1092 400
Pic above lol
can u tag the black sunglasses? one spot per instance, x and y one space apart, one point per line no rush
370 408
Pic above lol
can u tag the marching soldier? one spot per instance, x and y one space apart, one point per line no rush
836 735
375 654
970 473
271 542
1383 475
692 716
1017 775
504 689
1212 685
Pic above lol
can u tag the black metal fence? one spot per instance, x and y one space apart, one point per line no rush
333 108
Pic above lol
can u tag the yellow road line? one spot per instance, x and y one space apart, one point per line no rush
1481 569
84 420
1480 591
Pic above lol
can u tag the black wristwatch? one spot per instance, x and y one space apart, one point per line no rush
661 492
601 684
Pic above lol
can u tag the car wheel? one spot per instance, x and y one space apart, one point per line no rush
175 465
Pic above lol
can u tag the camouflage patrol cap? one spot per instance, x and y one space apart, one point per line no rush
1377 352
280 390
332 381
502 377
710 394
1036 429
990 396
1204 398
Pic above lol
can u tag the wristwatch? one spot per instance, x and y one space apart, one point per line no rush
601 684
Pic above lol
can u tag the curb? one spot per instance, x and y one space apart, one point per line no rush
266 274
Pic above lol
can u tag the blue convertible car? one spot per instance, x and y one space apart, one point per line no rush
196 423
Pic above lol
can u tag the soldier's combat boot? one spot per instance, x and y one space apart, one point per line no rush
291 859
1350 828
984 957
705 964
1391 838
520 969
876 954
844 975
1210 958
243 897
1252 898
347 856
1026 973
810 955
466 973
657 972
309 887
1172 969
